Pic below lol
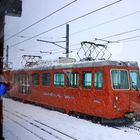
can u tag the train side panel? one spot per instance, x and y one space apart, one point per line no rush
84 100
101 101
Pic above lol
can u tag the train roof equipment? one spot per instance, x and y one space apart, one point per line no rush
47 65
93 51
94 57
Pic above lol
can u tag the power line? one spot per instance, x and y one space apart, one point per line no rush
24 50
128 38
40 20
67 22
122 33
135 40
51 43
106 22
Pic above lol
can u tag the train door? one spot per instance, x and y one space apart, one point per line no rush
24 83
98 94
20 83
28 86
121 89
135 87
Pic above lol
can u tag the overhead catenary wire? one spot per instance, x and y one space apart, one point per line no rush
89 13
54 52
77 44
122 33
129 38
106 22
40 20
49 51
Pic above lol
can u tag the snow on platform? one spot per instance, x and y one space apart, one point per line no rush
29 122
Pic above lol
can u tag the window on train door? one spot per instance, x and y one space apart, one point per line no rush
35 79
98 80
46 79
87 79
119 79
72 79
59 79
135 79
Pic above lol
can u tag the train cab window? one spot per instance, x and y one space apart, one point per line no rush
119 79
98 80
87 79
46 79
35 79
72 79
135 80
59 79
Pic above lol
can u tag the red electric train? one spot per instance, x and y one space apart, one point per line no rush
108 90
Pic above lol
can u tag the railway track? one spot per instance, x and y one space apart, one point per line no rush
127 128
133 127
57 134
33 133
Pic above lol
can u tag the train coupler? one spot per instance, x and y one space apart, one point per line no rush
130 115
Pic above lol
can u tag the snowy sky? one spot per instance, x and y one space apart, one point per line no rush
122 17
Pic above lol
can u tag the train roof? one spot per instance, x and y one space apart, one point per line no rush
80 64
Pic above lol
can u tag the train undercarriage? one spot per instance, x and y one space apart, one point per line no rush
129 118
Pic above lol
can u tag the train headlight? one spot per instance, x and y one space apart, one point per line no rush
116 98
116 104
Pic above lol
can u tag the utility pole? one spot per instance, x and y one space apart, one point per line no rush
67 40
56 42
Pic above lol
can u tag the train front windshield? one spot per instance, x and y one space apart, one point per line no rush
135 80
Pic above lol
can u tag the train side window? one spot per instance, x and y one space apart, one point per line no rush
72 79
35 79
46 79
135 80
98 80
119 79
87 79
59 79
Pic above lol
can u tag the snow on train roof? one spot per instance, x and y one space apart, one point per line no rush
79 64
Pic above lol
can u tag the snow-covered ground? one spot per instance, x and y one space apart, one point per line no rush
28 122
